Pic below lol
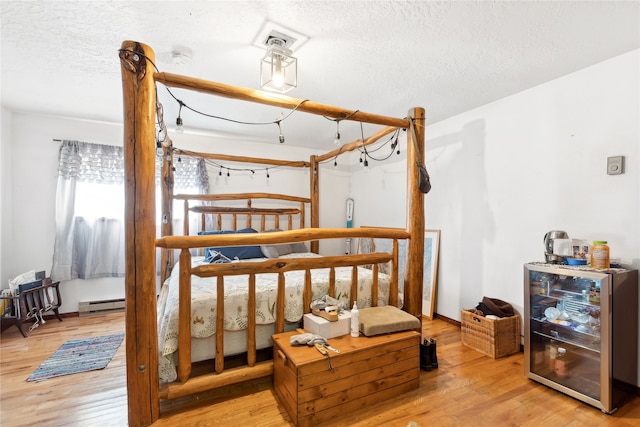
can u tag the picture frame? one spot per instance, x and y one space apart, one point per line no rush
430 272
430 265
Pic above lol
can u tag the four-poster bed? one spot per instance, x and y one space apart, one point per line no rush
144 386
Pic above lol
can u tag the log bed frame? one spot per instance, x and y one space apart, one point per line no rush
139 79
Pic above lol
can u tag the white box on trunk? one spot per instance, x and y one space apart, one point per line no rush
321 326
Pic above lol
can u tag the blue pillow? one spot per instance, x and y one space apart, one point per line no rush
232 252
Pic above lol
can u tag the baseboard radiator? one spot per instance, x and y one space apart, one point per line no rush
87 308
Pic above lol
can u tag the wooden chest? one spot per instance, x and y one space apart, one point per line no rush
367 370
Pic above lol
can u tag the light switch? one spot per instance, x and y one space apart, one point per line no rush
615 165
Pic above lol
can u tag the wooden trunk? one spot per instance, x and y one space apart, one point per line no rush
367 370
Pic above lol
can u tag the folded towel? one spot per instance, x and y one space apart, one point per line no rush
496 307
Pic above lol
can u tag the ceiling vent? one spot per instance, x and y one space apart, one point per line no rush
270 30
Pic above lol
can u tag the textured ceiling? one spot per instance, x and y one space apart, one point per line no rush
382 57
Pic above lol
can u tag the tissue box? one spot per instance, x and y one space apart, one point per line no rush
320 326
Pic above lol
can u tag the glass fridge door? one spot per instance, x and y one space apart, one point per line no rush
566 346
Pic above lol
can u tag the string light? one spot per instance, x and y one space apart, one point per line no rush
281 119
281 137
179 126
252 170
336 139
394 145
165 141
365 154
179 123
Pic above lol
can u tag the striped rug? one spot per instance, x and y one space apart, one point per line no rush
80 355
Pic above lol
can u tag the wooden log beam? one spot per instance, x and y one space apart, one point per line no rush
374 286
184 316
314 191
356 144
332 282
241 196
283 265
307 292
219 326
243 211
245 159
166 256
139 102
395 273
353 296
251 326
288 236
415 216
280 303
214 381
276 100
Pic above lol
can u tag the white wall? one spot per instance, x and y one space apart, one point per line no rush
29 167
28 237
5 191
506 173
510 171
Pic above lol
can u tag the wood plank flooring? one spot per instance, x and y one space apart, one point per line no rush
468 389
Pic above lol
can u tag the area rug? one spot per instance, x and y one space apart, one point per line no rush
80 355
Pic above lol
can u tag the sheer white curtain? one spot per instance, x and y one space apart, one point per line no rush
84 247
90 208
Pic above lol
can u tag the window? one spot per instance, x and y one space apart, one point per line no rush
90 207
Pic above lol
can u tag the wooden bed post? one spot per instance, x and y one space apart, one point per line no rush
166 255
415 216
314 176
140 234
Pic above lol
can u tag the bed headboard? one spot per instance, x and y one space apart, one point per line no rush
260 211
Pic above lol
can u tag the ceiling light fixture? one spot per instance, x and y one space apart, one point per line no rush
278 69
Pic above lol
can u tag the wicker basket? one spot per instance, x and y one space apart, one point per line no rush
495 338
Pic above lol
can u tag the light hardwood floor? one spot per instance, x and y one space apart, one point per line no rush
468 389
